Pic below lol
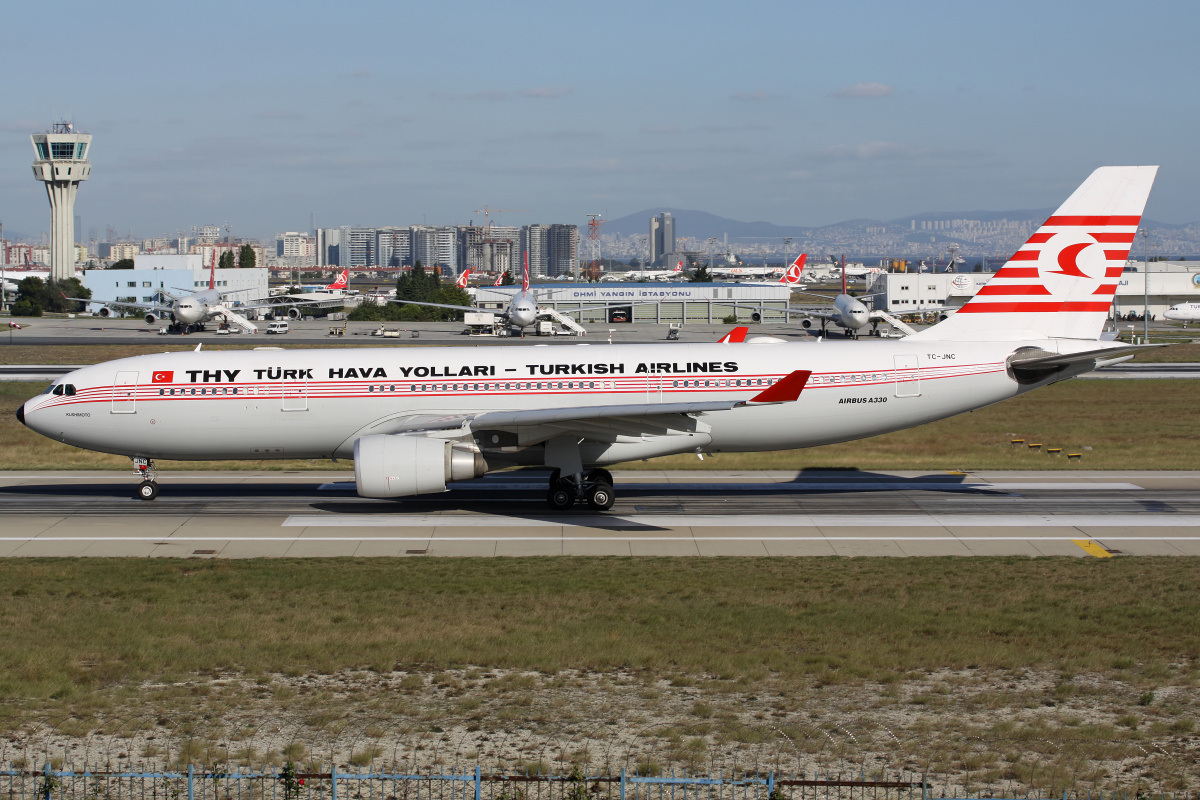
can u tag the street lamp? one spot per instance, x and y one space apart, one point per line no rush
1145 232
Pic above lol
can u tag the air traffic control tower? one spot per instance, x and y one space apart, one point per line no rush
61 162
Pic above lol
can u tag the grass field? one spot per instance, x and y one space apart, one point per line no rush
71 625
1115 424
1049 673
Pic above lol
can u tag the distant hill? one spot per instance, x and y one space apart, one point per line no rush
701 225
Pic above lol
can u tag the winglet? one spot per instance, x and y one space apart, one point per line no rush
735 336
785 390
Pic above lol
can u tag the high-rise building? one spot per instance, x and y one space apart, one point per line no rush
435 246
61 161
329 247
296 249
359 245
662 237
393 246
562 249
533 245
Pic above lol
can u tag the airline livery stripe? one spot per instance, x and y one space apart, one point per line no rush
1104 237
1068 221
1116 255
1114 272
1040 238
1013 289
1025 255
1045 307
1018 272
1107 288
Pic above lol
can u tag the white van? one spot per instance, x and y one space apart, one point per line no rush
278 327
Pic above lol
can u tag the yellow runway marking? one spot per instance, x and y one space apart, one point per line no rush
1093 548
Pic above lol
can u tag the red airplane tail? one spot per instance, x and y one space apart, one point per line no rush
843 274
341 281
462 279
525 279
795 272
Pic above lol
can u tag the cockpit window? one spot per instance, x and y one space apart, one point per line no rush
57 390
70 389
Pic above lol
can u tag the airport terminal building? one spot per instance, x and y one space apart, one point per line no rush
177 274
1171 282
649 303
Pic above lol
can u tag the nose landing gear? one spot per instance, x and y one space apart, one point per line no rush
595 488
148 488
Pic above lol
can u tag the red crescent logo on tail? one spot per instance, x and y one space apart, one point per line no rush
340 281
462 279
525 279
1068 263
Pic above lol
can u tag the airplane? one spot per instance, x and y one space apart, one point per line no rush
522 311
1183 312
189 312
650 274
417 418
463 278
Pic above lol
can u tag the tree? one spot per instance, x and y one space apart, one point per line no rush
124 263
701 275
226 261
507 280
39 295
246 257
979 266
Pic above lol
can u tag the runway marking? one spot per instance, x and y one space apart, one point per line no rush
748 521
1093 548
159 541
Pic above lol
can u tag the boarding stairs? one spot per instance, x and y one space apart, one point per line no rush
571 325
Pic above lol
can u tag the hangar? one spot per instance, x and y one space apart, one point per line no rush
649 303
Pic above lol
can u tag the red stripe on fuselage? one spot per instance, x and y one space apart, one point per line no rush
1024 289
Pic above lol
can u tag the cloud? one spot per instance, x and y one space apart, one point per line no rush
868 89
872 151
280 115
546 91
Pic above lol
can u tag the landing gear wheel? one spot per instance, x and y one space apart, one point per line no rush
599 475
147 490
561 496
600 496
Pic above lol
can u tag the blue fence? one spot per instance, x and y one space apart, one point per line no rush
342 784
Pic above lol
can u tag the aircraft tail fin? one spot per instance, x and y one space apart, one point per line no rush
463 278
1061 283
341 281
212 272
525 276
795 272
843 274
735 336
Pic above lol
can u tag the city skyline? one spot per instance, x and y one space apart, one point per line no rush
773 111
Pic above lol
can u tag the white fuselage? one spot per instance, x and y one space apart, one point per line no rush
196 307
1183 312
316 403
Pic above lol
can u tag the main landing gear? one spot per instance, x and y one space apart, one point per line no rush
148 488
595 487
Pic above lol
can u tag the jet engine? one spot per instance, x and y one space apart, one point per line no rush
806 324
401 465
105 312
293 313
150 319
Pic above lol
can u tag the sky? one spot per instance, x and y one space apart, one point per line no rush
259 114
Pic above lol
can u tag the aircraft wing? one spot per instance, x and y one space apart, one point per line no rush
156 307
468 309
628 419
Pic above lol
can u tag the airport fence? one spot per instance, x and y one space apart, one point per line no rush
289 783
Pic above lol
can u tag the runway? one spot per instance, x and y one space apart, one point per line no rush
703 513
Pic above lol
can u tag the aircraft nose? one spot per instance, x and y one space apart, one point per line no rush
21 413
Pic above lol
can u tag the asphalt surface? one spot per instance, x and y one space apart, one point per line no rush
848 513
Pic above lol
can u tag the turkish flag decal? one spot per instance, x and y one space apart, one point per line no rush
164 377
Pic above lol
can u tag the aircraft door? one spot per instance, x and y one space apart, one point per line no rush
124 396
908 376
295 395
653 388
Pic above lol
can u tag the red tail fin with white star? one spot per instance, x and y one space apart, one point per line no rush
1061 283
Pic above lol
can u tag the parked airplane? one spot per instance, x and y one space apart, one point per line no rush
415 419
1183 312
463 278
649 274
189 312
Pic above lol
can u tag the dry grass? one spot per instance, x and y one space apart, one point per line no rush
72 626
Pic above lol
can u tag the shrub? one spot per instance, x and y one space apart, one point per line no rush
25 308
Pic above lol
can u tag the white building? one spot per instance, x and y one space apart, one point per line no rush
296 249
176 274
694 303
1171 282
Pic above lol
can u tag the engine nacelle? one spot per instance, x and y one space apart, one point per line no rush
401 465
105 312
806 324
293 313
151 319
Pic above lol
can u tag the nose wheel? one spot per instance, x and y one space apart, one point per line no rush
595 488
148 488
